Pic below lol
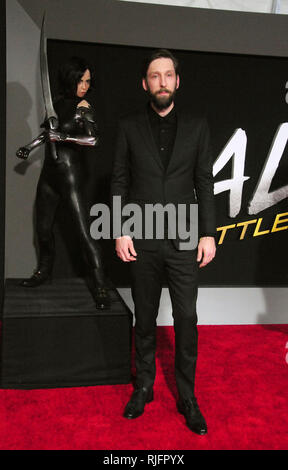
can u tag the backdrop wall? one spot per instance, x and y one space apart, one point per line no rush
23 63
244 98
2 146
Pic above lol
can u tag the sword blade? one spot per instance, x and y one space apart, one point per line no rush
50 112
51 116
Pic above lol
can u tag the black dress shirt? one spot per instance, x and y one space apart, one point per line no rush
164 133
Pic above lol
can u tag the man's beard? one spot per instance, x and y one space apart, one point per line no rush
162 102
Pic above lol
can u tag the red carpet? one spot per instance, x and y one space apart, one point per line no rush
242 390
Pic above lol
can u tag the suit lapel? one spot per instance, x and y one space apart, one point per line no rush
146 132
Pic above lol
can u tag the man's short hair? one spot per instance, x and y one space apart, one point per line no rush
158 54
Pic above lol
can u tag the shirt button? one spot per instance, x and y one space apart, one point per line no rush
162 148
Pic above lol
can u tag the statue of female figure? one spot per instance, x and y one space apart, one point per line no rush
61 178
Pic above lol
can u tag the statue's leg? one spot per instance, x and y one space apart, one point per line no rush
46 204
72 194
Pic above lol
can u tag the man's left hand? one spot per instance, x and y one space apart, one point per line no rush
206 250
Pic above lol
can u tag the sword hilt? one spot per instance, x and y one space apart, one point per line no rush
53 125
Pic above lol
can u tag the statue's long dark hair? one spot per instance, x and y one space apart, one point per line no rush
70 75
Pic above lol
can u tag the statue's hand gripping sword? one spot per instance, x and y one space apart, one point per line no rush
51 116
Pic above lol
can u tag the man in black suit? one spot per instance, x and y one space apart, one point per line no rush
163 156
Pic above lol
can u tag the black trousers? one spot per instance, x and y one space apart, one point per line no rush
181 268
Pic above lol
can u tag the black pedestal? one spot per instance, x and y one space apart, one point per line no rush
53 336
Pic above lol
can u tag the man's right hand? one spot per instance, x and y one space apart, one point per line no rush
23 153
125 249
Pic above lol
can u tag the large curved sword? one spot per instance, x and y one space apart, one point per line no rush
51 116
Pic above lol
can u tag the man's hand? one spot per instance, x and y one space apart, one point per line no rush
206 250
125 249
23 153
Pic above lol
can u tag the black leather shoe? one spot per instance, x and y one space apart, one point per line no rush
194 418
135 407
102 298
38 278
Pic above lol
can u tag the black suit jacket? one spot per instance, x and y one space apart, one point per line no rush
139 177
